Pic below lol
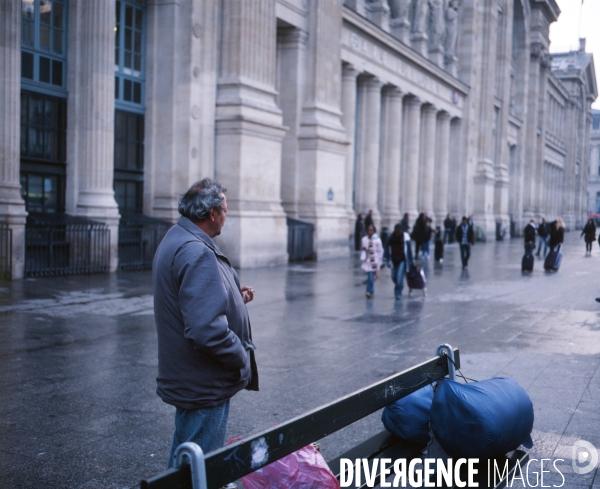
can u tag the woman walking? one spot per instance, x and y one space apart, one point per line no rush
589 231
372 256
557 233
399 255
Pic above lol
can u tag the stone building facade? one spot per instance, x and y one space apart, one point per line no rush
309 109
593 188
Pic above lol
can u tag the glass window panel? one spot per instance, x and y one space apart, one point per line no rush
137 42
128 15
139 15
44 69
50 193
116 87
120 125
27 65
27 8
127 90
35 192
36 110
24 151
127 60
118 12
57 41
120 154
36 142
57 15
24 112
23 180
137 64
131 155
140 129
46 11
131 201
137 92
50 145
57 73
27 31
128 37
45 37
50 113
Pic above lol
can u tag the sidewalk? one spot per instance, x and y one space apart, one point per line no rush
78 358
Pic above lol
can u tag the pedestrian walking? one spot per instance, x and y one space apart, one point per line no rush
205 349
418 233
372 258
404 222
589 231
544 235
448 225
465 238
359 231
557 233
369 220
428 232
398 256
529 237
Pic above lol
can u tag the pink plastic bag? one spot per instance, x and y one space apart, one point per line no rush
303 469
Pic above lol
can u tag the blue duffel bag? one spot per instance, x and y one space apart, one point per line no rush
408 418
481 420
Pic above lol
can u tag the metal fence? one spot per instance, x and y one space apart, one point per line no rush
300 240
65 245
139 236
5 251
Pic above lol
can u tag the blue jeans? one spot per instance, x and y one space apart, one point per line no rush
398 278
543 240
465 253
370 282
425 248
205 427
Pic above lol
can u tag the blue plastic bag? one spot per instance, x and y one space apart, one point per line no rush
408 418
481 420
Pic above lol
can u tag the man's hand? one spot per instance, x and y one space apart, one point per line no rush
247 294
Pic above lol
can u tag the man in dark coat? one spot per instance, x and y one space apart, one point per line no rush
465 238
369 221
205 349
360 230
529 237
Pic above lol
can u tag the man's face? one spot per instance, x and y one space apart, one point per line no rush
219 217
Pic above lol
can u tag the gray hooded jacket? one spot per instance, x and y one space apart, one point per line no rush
205 349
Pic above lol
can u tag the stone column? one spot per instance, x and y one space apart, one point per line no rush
484 179
442 168
322 138
412 143
349 74
291 52
368 147
391 155
12 207
426 170
91 121
249 133
181 85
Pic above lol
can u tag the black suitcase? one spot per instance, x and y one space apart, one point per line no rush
527 263
439 250
553 260
415 279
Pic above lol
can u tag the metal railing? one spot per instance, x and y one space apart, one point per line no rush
5 251
300 240
58 244
139 237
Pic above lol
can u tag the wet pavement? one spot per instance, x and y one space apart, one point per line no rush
78 407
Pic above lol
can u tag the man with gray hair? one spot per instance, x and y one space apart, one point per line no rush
205 349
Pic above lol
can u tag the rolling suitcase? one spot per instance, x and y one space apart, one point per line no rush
415 279
527 263
553 260
439 250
